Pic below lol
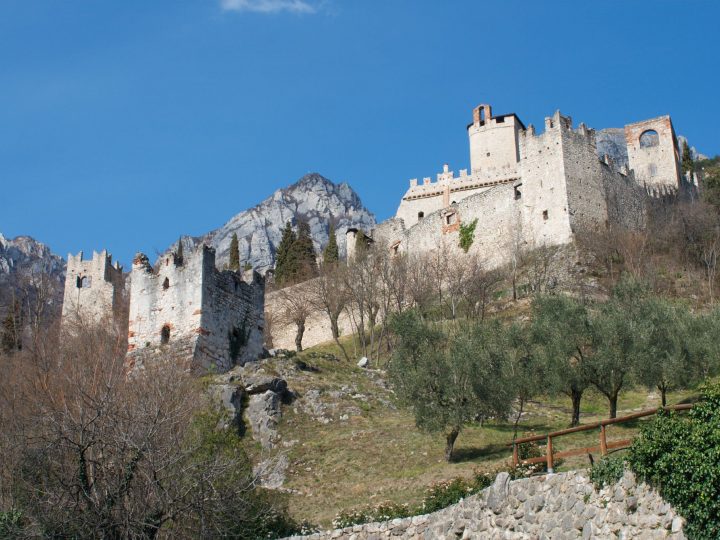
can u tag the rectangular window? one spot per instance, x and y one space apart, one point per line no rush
545 215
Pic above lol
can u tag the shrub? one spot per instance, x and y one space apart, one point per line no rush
443 494
380 512
607 471
467 234
680 455
12 524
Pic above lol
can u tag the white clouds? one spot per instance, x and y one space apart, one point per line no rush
268 6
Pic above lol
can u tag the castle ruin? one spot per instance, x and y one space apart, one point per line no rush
535 189
94 290
186 308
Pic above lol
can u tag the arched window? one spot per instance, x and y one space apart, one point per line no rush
421 215
83 282
165 335
649 138
166 284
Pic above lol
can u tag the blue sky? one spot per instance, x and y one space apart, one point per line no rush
124 124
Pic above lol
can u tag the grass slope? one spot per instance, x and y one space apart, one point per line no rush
359 448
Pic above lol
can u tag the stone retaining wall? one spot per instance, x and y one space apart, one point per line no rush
558 506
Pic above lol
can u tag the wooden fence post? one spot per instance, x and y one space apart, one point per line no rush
603 440
516 460
550 468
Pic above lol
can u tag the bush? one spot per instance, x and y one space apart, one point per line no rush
607 471
380 512
680 455
437 497
12 524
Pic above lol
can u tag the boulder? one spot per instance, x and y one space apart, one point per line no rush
263 414
363 362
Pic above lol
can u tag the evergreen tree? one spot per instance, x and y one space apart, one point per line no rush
303 252
687 160
234 253
331 253
285 266
179 252
11 330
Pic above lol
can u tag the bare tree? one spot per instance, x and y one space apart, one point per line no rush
480 285
295 306
91 452
329 295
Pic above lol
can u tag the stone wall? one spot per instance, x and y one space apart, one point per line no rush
657 163
94 289
281 334
558 506
186 308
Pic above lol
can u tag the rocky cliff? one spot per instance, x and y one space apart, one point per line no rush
22 261
313 198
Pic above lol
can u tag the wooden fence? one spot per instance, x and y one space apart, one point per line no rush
603 447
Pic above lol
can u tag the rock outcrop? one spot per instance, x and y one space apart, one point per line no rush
24 264
558 506
313 198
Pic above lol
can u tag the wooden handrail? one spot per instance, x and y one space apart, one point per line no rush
602 447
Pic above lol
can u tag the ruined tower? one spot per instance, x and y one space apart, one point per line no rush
93 289
653 153
185 309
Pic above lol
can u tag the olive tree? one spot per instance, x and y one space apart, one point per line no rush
562 334
449 380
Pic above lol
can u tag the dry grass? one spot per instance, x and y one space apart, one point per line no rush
377 454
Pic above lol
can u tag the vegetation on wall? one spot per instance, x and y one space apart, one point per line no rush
467 234
234 263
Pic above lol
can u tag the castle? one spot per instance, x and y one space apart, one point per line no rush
184 308
533 189
94 289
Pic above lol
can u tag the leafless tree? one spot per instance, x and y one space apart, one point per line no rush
295 307
328 294
89 451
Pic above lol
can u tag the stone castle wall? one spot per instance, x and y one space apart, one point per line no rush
188 309
657 161
281 334
94 289
558 506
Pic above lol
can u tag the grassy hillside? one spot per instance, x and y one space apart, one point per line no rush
349 445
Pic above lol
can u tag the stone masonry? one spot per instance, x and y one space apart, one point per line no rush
527 190
557 506
93 289
185 308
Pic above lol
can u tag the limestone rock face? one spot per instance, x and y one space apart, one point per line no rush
313 198
22 260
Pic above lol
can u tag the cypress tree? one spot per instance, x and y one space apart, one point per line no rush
331 253
179 251
303 252
285 266
234 253
687 160
11 330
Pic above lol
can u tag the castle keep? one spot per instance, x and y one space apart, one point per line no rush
533 189
93 289
186 308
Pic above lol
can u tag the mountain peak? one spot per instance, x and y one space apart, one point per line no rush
313 198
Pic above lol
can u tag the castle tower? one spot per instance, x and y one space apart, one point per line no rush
187 310
93 289
494 148
653 153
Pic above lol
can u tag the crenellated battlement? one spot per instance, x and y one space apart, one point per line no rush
184 306
94 290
